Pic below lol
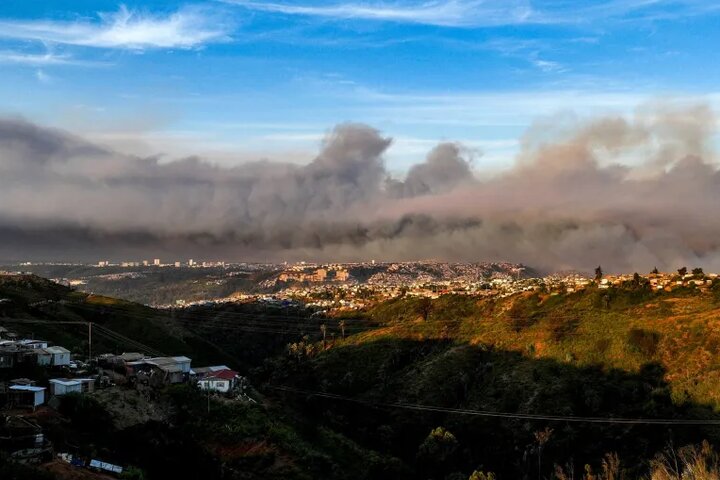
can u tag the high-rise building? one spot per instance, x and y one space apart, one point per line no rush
156 262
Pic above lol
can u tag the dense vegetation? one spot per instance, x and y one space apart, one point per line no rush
353 407
621 352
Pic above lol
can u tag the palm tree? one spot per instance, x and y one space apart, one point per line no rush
323 329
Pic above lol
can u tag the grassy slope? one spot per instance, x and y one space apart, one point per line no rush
618 352
680 331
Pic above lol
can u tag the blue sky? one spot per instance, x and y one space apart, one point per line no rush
240 80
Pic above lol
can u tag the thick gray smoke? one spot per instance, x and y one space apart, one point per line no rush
444 169
629 194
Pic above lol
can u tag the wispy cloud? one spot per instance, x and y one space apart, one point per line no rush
128 29
42 59
452 13
484 13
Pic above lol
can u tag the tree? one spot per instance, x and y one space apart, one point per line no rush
438 451
542 437
697 271
342 328
598 273
323 329
682 271
636 278
478 475
424 307
655 271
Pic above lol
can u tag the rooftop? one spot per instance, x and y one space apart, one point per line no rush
27 388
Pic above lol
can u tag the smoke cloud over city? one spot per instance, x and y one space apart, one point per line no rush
626 193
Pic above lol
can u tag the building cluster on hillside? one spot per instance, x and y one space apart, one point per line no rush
16 353
314 275
66 375
58 374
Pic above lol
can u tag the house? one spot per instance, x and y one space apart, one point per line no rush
222 381
63 386
171 369
41 357
87 385
26 396
176 369
60 356
30 343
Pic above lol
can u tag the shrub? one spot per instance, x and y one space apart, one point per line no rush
644 341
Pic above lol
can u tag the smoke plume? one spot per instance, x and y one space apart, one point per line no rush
627 193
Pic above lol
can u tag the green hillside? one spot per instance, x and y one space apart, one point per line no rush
622 352
412 389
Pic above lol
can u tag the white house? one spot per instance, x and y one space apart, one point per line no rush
60 356
63 386
27 395
221 382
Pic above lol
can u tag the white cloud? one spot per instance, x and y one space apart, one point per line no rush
42 59
187 28
451 13
487 13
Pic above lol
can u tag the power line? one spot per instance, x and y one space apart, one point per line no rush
99 329
259 324
122 338
505 415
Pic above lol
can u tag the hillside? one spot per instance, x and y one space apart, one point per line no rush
622 352
46 310
412 389
176 431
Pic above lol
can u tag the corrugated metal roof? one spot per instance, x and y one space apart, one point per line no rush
27 388
56 350
65 382
224 375
131 356
215 368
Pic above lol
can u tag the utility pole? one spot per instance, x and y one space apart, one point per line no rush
89 341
